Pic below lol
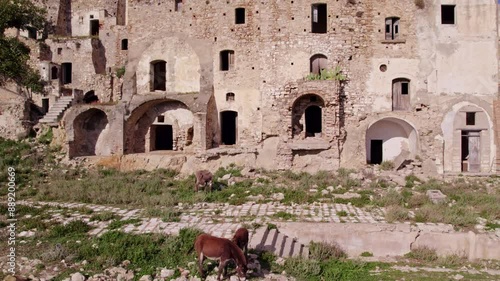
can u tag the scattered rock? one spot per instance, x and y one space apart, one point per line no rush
348 195
458 277
313 190
226 177
278 196
164 273
324 192
435 196
146 278
330 188
77 277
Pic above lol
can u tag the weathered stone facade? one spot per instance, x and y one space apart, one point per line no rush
214 83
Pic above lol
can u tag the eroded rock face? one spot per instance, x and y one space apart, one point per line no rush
14 115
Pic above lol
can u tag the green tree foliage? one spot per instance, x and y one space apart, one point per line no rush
14 55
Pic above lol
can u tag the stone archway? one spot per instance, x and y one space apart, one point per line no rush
389 138
90 130
307 116
159 125
468 139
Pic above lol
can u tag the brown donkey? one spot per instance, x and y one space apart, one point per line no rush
240 238
222 250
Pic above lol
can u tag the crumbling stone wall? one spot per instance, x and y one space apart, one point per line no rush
14 115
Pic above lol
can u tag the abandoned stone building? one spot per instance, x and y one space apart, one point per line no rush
304 84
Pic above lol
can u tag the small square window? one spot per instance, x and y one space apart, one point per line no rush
447 14
405 88
59 51
161 119
470 118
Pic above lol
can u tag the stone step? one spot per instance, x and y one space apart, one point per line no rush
278 243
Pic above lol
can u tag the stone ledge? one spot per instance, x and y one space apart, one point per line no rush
309 144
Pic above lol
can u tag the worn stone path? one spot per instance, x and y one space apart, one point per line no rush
219 219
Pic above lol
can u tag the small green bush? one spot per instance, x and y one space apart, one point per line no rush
422 253
322 251
387 165
366 254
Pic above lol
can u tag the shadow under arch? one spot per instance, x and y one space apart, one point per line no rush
389 137
88 129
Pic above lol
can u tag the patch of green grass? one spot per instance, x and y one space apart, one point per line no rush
362 201
105 216
284 216
342 214
492 225
74 228
410 180
271 226
387 166
120 223
396 213
366 254
323 251
422 253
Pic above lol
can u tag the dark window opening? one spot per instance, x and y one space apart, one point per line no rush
161 119
32 32
404 88
90 97
94 27
447 14
59 51
376 149
228 121
124 44
240 15
45 105
317 63
164 137
54 73
178 5
313 120
319 18
66 69
159 75
391 28
470 118
226 60
230 97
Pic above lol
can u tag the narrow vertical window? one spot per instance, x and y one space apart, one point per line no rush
319 18
66 69
94 27
124 44
178 5
158 75
317 63
226 60
240 15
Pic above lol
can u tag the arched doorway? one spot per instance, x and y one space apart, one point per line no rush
228 124
313 120
89 134
307 116
388 138
317 63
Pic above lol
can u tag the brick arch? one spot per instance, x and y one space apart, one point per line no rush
302 111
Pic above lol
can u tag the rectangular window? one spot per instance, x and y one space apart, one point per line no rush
94 27
319 18
404 88
240 15
226 60
66 69
178 5
124 44
470 118
161 119
447 14
391 28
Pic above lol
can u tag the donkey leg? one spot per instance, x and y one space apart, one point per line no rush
201 258
222 268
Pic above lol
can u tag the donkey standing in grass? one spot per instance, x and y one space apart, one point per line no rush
240 238
221 250
203 179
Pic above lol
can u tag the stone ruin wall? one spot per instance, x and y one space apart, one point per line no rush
273 47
